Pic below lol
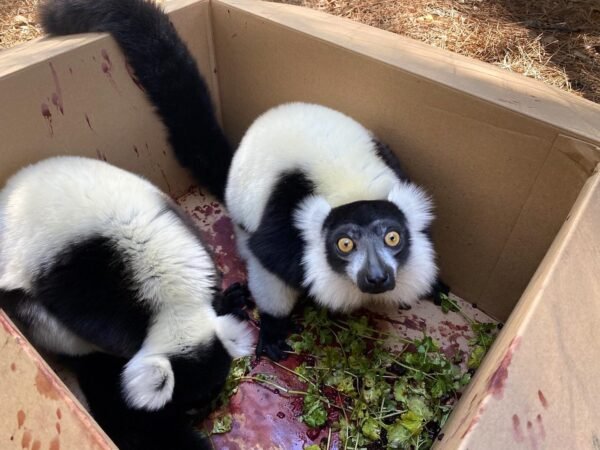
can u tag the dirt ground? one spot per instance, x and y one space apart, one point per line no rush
555 41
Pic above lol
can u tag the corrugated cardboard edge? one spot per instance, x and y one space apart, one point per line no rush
122 127
565 111
43 399
536 387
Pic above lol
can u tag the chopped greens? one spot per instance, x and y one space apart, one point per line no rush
222 424
239 368
481 342
375 397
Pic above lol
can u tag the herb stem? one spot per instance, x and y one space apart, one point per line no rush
395 413
294 373
413 368
275 385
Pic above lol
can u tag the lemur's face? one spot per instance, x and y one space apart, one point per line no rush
368 241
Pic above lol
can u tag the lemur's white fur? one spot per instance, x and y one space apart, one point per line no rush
63 200
337 153
271 294
340 157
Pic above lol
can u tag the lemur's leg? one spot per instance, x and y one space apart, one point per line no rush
275 301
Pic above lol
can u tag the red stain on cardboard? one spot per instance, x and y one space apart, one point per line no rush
498 379
87 119
107 63
58 413
47 115
57 97
540 425
264 414
107 68
20 418
37 445
55 444
44 386
26 439
414 322
58 427
252 405
517 431
543 400
13 367
227 257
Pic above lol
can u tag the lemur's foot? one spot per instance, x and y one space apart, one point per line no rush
271 339
275 351
439 290
233 301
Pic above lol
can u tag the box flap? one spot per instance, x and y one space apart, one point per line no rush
537 388
38 411
75 95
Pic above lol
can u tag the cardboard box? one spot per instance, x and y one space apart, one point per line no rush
511 163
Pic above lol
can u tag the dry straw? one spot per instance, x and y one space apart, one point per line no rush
556 41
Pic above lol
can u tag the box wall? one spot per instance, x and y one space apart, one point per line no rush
38 411
75 96
488 167
537 386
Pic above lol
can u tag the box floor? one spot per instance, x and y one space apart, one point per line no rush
264 418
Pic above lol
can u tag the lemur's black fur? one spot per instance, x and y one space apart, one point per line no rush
165 69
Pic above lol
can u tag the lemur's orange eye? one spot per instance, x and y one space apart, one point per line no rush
345 244
392 239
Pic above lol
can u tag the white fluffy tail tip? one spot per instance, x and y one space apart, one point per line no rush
235 336
148 382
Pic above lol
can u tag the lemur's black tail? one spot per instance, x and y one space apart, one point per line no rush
166 70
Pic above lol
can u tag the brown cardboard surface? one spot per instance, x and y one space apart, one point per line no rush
486 159
504 158
75 95
38 411
538 386
555 187
522 95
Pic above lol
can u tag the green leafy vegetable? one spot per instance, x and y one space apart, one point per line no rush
222 424
371 429
448 304
239 368
314 413
397 399
365 392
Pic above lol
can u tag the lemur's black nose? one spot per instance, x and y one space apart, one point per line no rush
376 282
377 279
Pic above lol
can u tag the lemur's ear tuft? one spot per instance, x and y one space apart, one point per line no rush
414 202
